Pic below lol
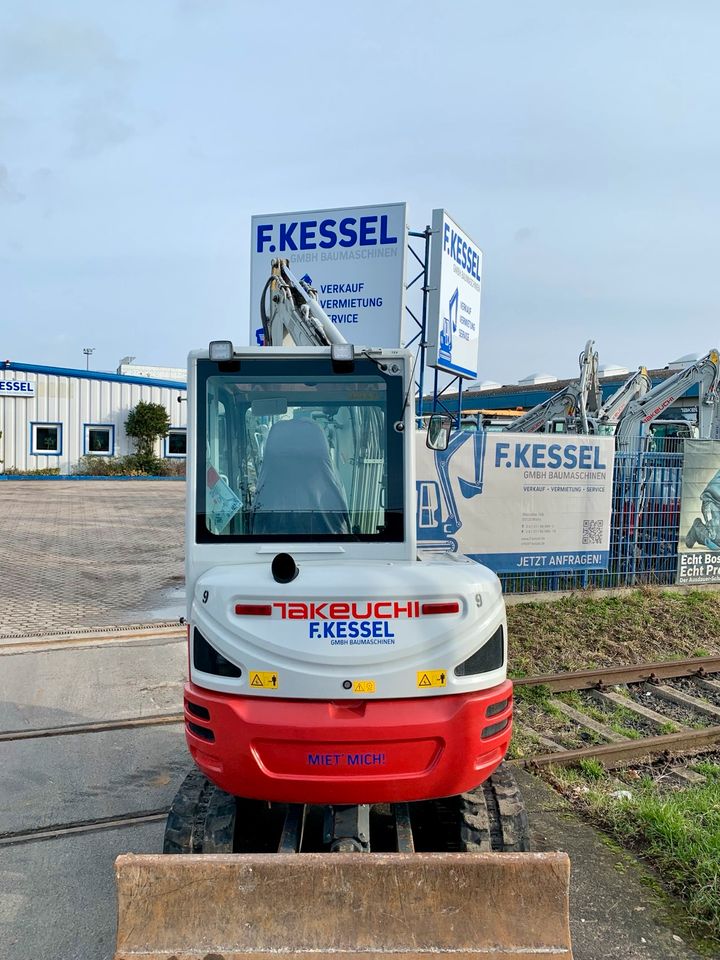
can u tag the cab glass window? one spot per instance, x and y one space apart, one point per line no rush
293 451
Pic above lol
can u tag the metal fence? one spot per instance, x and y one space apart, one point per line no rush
644 531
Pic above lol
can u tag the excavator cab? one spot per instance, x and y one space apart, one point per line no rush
347 708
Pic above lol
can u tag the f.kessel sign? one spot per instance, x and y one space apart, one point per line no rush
518 502
17 388
454 302
354 257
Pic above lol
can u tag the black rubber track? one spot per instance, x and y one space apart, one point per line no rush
493 816
201 818
205 819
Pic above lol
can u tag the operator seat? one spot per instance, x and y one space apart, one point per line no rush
298 491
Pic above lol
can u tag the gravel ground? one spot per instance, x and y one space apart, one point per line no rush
563 731
672 711
687 685
631 720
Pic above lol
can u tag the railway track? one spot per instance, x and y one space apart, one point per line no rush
98 726
14 645
683 689
621 713
59 830
56 831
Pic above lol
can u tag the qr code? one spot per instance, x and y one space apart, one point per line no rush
593 531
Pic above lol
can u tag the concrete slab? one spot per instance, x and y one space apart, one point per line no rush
58 896
65 779
613 912
44 688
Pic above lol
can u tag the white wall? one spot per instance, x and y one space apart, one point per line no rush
158 373
73 402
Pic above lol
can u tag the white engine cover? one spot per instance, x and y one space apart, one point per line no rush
349 629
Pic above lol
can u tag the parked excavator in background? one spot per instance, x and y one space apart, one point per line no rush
635 387
348 707
572 408
633 411
637 418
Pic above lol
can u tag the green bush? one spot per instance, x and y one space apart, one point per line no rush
146 423
41 472
90 466
174 467
144 463
133 465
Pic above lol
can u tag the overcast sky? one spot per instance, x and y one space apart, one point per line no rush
578 143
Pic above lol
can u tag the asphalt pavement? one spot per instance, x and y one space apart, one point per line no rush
58 896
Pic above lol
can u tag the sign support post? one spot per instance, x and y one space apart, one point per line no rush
421 335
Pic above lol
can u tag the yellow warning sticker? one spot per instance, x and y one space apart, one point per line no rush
265 679
432 678
363 686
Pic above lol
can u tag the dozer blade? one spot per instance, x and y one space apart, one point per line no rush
249 907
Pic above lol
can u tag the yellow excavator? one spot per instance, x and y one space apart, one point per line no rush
347 708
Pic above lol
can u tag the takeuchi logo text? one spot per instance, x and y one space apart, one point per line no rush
341 610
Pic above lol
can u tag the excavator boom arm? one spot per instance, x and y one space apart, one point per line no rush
294 312
635 387
571 404
638 413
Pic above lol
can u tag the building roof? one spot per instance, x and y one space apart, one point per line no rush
90 375
527 396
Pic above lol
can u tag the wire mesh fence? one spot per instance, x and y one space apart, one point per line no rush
644 526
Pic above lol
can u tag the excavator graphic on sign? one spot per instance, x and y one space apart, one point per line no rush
436 532
449 326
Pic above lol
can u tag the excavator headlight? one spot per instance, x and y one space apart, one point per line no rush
221 350
342 352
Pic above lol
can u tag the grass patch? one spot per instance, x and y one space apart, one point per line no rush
539 696
40 472
523 744
678 831
709 770
592 769
630 732
577 632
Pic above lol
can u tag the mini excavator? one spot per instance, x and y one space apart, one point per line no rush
347 709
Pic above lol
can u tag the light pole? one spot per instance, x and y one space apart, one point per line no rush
87 351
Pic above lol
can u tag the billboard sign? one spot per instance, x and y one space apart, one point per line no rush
353 256
518 502
699 546
454 303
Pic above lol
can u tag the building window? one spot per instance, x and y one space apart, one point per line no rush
46 439
176 442
99 439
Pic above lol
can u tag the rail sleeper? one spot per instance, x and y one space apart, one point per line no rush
605 732
616 700
684 700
